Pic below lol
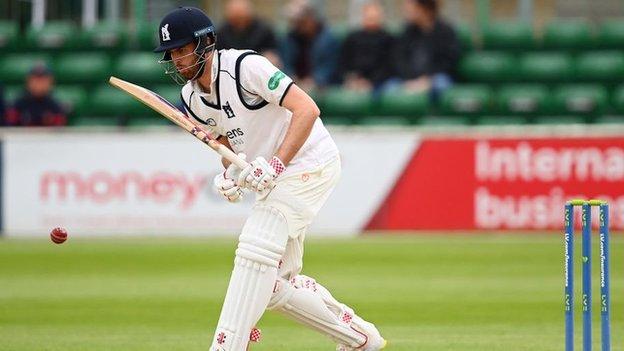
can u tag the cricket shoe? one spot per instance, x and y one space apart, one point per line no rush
374 340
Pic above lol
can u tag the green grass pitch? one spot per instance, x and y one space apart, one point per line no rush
426 292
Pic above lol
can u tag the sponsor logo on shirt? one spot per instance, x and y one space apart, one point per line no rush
275 80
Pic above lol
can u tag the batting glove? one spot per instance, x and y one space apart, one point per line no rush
260 174
225 183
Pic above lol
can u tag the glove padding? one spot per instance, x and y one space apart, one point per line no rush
260 175
225 183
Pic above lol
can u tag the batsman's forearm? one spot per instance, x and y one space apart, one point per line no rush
298 132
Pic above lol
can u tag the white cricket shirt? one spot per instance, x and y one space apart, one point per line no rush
244 105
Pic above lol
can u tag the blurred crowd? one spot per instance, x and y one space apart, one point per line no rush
422 57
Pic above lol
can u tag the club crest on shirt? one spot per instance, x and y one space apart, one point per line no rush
228 110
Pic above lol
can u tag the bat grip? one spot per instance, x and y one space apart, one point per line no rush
228 154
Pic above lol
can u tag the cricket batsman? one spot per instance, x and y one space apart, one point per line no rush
254 109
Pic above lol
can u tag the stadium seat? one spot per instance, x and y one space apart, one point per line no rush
147 36
508 36
105 36
609 120
523 99
617 99
562 120
52 36
169 92
483 66
15 67
501 120
465 36
82 68
88 121
72 98
403 103
580 99
385 121
108 101
600 66
140 68
466 100
345 103
611 34
9 36
337 121
149 121
12 92
444 121
568 35
546 67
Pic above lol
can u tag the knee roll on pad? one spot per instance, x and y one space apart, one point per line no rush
260 248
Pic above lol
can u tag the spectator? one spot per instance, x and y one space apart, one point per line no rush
310 52
242 30
2 105
37 107
364 61
428 51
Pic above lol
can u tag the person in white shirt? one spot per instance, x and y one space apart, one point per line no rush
253 108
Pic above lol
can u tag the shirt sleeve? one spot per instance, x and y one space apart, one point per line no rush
259 76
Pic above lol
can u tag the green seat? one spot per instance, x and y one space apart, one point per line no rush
501 120
617 99
482 66
109 101
72 98
508 36
609 120
601 66
346 103
467 100
403 103
147 36
563 120
169 92
444 121
9 36
12 92
464 34
105 36
52 36
385 121
523 99
140 68
15 67
581 99
82 68
611 34
568 35
539 67
337 121
340 31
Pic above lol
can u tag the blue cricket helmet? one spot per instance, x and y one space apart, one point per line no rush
183 26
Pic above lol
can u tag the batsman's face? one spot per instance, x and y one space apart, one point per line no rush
185 60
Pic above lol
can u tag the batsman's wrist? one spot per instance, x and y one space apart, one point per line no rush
277 165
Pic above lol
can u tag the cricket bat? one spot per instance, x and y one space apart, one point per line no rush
166 109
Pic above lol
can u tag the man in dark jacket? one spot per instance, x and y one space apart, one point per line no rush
364 61
2 105
242 30
428 51
37 107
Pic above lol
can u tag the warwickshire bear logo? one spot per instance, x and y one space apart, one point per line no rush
228 110
165 32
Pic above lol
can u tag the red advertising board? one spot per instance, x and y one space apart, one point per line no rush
501 183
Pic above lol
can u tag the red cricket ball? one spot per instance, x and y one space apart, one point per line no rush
58 235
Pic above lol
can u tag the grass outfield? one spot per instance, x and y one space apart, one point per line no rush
468 293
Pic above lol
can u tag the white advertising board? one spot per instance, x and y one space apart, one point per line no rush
161 184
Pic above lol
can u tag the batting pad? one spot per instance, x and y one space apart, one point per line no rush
261 246
309 303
